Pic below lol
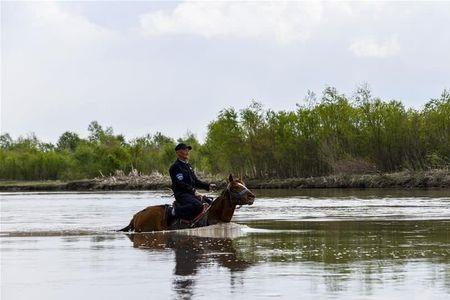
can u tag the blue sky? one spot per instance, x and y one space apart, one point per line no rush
143 67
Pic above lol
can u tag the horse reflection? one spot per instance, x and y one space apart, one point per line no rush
192 253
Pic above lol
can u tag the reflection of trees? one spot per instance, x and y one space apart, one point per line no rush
349 241
372 252
193 253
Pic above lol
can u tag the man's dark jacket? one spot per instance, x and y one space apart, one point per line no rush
184 179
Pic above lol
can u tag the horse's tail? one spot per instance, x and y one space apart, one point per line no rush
129 227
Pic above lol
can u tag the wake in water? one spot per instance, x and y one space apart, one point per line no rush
51 233
225 230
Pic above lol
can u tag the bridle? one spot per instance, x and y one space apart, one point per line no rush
230 196
236 195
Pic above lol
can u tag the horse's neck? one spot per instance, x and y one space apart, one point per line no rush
221 210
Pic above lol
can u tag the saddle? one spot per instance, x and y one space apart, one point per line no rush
179 223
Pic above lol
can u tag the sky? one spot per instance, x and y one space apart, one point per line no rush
170 67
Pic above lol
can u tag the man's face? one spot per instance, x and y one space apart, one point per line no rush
183 154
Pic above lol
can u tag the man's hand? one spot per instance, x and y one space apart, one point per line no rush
212 186
198 195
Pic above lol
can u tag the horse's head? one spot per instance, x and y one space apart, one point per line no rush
239 194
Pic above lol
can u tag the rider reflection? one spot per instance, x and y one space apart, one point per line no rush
191 254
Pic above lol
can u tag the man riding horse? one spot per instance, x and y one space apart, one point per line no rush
184 184
189 201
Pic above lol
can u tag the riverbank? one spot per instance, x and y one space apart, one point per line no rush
405 179
133 181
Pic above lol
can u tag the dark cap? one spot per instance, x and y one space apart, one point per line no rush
182 146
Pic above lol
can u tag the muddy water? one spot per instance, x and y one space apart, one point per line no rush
340 244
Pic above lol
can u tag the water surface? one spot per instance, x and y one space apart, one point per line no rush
340 244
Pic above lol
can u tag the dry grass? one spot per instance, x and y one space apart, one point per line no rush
439 178
405 179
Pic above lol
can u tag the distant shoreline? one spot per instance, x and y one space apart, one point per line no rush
402 180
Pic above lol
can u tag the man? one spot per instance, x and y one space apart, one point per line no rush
185 184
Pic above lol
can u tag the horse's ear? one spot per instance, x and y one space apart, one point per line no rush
230 178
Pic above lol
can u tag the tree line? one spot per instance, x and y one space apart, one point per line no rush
329 134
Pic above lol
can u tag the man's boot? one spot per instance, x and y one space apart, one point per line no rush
170 215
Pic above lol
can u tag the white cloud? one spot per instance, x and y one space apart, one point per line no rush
64 29
372 48
64 65
49 64
282 21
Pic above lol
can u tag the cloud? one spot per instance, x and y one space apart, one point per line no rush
66 64
50 62
64 29
283 21
372 48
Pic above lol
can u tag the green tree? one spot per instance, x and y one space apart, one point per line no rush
68 141
5 141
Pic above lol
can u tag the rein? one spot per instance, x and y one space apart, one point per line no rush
230 196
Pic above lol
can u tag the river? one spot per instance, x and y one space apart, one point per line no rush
290 244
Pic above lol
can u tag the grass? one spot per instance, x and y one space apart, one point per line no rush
30 183
405 179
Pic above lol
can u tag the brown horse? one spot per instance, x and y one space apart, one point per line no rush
153 218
